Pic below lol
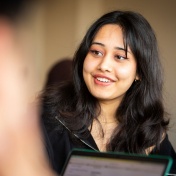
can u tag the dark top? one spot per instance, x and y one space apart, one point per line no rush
60 141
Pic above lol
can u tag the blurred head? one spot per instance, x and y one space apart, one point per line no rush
14 10
59 72
143 48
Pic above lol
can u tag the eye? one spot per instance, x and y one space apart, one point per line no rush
119 57
96 53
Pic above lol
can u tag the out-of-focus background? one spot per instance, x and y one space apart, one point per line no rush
56 27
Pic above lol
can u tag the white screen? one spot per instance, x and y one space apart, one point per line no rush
94 166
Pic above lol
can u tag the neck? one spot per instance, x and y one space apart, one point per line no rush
108 112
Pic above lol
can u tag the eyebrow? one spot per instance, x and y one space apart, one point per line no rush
101 44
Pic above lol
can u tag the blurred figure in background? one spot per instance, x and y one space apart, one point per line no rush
21 142
59 72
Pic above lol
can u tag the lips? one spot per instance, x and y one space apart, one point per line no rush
103 79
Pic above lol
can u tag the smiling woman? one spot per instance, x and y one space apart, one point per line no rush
111 104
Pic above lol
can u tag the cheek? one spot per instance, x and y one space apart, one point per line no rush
88 65
86 69
126 72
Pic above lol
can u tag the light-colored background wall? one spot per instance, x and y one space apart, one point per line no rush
59 25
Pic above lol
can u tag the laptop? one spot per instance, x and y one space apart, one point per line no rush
92 163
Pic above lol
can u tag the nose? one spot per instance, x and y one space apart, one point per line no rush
105 64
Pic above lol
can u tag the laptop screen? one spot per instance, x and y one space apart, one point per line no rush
89 163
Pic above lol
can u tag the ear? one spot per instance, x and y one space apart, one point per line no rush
137 78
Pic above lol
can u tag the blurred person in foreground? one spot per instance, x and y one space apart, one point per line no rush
21 146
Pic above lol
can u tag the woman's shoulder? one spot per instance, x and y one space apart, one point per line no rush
167 149
53 101
55 142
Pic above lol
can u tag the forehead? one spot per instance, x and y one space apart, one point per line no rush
110 32
109 27
111 35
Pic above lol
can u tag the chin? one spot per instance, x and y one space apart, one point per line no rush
105 98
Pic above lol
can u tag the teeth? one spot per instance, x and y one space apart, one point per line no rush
103 79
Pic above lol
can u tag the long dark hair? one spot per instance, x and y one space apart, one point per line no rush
141 112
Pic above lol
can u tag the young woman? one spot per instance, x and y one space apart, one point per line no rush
115 100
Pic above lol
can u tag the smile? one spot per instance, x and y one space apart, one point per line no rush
103 80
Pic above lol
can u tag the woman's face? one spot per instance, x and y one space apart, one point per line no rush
107 71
